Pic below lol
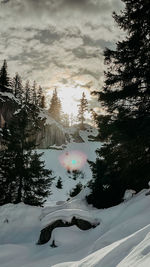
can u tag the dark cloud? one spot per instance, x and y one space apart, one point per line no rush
86 85
82 53
47 36
78 2
97 6
84 71
87 5
4 1
97 43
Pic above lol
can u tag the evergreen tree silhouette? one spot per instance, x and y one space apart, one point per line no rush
5 81
124 159
41 98
83 107
23 177
17 86
55 106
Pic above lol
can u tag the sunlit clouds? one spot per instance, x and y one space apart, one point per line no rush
59 40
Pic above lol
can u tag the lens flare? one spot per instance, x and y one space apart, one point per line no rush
73 160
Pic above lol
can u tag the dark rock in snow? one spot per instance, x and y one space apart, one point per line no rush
46 233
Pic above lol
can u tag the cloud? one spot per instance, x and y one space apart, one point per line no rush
4 1
53 6
58 41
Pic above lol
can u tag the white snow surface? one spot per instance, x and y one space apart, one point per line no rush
52 162
122 239
9 95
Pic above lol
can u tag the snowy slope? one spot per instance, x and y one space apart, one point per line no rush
52 161
121 240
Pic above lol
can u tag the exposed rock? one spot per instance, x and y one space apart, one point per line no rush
76 136
46 233
147 193
50 134
53 244
60 202
129 193
8 106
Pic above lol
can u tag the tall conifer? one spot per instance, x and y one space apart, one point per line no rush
55 106
18 87
124 159
83 107
5 80
23 177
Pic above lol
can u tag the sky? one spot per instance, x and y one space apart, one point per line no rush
58 43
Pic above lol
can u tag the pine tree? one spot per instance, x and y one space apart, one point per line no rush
27 93
124 159
41 98
23 175
72 119
76 174
59 183
7 171
37 181
17 86
65 119
75 191
34 94
4 78
94 116
43 102
39 94
55 106
83 107
7 179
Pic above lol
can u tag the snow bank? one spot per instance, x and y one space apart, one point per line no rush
17 223
66 215
121 240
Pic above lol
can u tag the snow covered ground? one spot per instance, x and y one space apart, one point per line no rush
79 151
122 239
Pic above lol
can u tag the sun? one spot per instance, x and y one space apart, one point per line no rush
70 97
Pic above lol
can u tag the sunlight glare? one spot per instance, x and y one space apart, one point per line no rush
73 160
70 97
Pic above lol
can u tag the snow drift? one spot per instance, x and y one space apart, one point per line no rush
121 240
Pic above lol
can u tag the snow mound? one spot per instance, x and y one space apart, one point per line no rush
121 240
131 251
66 215
17 223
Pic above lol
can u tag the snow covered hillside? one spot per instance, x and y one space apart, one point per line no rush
76 152
122 239
118 236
